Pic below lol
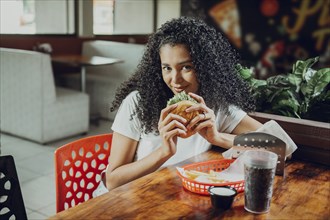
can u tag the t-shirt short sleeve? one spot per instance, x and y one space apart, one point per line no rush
126 122
228 122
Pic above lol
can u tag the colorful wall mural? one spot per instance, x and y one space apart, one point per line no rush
270 35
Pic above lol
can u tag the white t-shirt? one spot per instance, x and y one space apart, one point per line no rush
186 148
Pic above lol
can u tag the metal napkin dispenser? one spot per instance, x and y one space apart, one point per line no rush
261 141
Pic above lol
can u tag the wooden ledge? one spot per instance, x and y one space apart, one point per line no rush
311 137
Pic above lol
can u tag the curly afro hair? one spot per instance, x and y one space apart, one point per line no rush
214 60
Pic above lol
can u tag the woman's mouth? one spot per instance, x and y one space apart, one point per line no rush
179 89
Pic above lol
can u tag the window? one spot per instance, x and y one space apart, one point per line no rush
95 17
103 16
17 17
123 17
132 16
36 17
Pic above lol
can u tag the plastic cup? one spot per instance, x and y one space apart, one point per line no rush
222 197
259 172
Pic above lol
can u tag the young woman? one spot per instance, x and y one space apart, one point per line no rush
183 55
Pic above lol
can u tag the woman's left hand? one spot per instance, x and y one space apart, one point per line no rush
204 123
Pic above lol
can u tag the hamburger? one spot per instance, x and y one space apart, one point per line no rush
184 101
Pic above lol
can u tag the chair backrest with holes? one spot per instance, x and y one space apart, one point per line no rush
11 199
78 166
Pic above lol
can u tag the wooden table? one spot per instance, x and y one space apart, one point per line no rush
83 62
303 193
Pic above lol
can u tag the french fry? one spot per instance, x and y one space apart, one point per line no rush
216 179
193 174
211 175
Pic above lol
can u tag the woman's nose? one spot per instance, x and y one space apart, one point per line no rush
176 76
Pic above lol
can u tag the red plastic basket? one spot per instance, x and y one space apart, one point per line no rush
206 166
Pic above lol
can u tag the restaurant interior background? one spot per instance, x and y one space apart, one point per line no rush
270 35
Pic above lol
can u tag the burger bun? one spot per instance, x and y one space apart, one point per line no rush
180 110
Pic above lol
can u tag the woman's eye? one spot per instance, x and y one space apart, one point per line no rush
187 68
166 68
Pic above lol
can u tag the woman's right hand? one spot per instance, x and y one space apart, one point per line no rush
170 126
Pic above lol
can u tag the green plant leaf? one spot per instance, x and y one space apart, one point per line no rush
245 72
295 80
302 93
319 108
288 107
256 83
309 74
323 76
300 67
276 94
318 81
278 81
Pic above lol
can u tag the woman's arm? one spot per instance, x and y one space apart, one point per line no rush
247 124
122 169
204 124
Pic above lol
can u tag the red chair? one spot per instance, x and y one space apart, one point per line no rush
78 166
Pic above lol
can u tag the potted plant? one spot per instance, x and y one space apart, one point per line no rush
300 102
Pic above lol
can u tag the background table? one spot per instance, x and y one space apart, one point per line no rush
83 62
303 193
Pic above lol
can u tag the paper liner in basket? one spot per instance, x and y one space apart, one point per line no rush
234 173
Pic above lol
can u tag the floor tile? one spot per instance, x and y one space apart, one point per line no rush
21 149
41 163
39 192
36 216
28 211
25 175
5 138
49 210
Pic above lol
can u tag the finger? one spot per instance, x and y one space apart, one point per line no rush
173 133
198 107
204 116
202 125
195 121
172 125
197 97
175 124
172 117
166 111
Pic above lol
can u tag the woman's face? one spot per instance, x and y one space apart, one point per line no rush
177 68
